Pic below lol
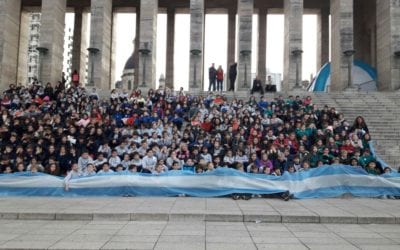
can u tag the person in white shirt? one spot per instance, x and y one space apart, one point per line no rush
122 148
137 161
83 161
135 138
90 170
93 94
162 153
124 95
143 148
105 169
159 169
153 139
126 161
114 160
205 155
105 149
170 160
229 158
166 140
241 158
149 161
73 174
99 161
114 95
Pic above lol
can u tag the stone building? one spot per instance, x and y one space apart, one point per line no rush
128 74
360 29
67 62
33 54
129 71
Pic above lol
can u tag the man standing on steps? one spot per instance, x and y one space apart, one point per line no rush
212 76
232 76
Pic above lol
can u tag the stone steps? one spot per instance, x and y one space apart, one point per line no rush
344 210
380 110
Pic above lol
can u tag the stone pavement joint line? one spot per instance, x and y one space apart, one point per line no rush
181 209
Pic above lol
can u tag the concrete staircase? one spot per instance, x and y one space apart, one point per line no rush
381 111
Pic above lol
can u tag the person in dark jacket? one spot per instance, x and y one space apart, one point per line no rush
257 86
212 76
232 76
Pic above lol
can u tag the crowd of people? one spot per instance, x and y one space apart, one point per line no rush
72 132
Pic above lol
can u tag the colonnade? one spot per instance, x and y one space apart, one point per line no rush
384 50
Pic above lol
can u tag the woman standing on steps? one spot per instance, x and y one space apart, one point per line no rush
220 78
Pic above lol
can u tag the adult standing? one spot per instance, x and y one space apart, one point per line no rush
232 76
212 75
220 78
75 78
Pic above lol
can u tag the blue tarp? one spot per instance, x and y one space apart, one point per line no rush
364 75
326 181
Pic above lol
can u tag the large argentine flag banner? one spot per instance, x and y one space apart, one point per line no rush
327 181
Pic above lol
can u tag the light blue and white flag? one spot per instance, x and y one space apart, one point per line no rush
322 182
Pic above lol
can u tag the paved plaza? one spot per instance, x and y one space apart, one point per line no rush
198 223
44 234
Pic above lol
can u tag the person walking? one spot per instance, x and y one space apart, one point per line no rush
220 78
232 76
212 76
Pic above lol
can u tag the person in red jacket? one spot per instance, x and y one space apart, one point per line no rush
254 133
293 143
281 142
75 78
220 78
207 125
348 147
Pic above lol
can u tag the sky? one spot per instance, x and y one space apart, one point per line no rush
216 26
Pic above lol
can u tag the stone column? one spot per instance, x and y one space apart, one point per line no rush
79 47
100 44
113 51
292 69
148 44
169 71
323 37
197 23
365 31
388 44
9 35
52 40
136 53
342 41
23 48
262 45
231 36
245 13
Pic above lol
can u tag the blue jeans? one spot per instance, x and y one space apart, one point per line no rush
220 85
212 84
